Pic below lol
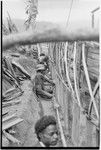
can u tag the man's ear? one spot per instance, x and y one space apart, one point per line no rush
41 135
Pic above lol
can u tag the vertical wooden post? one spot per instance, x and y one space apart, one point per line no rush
92 20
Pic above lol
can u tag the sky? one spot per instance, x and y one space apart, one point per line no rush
54 10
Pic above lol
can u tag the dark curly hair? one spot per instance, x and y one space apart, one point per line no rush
42 123
42 54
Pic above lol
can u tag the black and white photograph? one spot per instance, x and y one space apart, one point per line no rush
50 74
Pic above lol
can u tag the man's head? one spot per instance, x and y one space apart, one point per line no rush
46 130
43 58
40 68
42 54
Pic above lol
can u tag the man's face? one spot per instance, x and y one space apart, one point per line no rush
50 135
41 58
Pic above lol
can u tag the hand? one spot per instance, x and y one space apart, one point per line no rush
54 82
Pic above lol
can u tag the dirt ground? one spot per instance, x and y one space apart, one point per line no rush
30 110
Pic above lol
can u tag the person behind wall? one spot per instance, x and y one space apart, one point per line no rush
43 59
40 80
46 131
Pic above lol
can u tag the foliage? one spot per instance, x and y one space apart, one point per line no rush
32 12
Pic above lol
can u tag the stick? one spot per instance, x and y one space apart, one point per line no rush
7 125
21 68
56 106
5 104
11 138
75 74
8 117
61 130
9 91
9 98
67 73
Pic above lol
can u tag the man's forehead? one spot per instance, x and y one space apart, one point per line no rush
51 128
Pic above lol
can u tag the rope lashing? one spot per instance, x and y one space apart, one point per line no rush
88 80
94 91
49 34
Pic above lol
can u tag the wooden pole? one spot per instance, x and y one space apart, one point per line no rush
92 20
56 106
67 73
75 76
68 89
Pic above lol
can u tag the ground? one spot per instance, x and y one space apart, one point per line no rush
30 110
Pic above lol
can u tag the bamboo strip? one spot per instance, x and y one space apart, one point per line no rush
92 44
75 74
6 72
67 72
93 73
88 80
39 49
62 81
92 62
7 125
11 138
56 107
5 104
93 56
10 97
21 68
59 75
59 59
61 130
8 117
93 51
93 121
4 113
10 90
9 65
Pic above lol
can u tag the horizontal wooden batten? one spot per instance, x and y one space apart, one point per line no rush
11 122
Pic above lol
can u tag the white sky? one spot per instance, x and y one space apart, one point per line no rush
53 10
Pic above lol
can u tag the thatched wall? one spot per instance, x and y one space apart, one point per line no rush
77 129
